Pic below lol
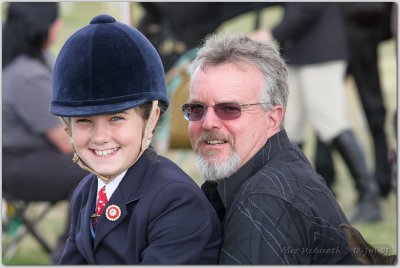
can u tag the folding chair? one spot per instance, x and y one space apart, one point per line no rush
20 218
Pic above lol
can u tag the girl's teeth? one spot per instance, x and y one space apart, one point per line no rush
105 152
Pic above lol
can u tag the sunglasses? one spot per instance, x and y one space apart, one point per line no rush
224 111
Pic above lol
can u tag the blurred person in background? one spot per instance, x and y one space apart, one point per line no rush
174 28
367 25
37 155
312 41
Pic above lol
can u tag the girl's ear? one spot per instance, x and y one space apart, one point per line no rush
150 126
153 121
67 125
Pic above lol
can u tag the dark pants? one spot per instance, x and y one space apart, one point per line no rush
363 42
45 175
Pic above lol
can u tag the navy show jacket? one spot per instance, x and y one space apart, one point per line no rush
165 219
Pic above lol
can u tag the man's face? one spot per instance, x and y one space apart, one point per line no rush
218 142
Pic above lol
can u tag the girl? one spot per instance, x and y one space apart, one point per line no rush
109 90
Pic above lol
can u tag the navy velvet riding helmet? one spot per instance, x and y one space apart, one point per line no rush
106 67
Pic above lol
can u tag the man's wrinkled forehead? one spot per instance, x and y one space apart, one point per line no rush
227 82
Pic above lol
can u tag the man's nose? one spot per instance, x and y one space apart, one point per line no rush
211 119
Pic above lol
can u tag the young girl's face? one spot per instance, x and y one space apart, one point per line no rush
108 143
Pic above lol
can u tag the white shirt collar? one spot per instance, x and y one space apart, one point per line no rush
111 186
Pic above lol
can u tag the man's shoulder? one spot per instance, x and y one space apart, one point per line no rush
298 189
285 179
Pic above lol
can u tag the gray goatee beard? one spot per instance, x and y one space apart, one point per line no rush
215 171
208 167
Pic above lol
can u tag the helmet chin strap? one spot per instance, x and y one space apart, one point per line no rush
146 140
77 160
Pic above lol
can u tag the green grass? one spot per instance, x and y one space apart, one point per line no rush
29 251
78 14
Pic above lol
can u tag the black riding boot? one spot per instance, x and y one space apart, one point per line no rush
367 208
324 163
382 165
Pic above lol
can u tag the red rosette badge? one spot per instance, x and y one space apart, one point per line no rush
113 212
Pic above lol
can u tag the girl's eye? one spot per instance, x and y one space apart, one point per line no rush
116 118
83 120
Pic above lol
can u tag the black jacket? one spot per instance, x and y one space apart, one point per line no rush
186 24
279 211
311 33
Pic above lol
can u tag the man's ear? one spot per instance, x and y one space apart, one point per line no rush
275 116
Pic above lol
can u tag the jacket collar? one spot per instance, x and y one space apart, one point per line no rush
136 178
84 220
228 187
129 190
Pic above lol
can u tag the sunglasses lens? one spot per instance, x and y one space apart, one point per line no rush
228 111
225 111
193 112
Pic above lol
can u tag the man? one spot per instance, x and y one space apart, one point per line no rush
274 208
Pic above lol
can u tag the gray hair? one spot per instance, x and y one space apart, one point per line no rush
237 48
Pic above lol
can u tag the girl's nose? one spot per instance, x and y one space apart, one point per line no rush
101 133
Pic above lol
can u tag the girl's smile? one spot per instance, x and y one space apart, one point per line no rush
105 153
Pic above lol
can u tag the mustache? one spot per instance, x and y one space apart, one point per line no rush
213 135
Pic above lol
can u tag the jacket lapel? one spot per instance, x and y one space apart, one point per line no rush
129 190
104 225
84 241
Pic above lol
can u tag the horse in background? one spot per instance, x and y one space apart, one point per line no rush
362 251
